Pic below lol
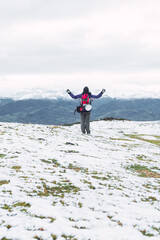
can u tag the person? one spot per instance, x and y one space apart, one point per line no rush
85 107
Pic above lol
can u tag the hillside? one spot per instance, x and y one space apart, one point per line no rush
61 111
56 183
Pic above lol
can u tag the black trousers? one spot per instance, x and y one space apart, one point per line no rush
85 122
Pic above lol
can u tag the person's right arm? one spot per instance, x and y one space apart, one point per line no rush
72 95
99 95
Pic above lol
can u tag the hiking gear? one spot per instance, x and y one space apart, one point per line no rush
68 91
85 102
85 99
103 90
88 107
85 106
78 109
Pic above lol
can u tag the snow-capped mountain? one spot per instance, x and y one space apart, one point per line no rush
41 93
56 183
36 93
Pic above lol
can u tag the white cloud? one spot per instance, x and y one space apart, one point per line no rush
105 42
115 84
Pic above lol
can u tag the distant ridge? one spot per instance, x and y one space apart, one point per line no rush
102 119
61 111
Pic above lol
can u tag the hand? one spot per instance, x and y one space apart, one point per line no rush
68 91
103 90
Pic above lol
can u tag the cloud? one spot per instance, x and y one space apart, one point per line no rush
84 40
116 85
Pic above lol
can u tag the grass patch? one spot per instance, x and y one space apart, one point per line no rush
55 162
118 222
156 142
42 217
45 161
2 155
9 192
70 151
52 219
80 205
8 226
120 139
140 137
144 171
51 161
149 199
59 190
79 227
17 168
100 178
2 133
24 177
145 233
69 237
157 136
89 184
156 229
54 237
141 157
21 204
7 207
144 158
72 220
4 238
4 182
38 238
13 157
77 168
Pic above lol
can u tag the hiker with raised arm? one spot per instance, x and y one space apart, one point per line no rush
85 107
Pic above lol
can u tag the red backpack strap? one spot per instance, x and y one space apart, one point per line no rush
85 99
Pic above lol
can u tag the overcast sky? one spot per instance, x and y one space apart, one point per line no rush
113 44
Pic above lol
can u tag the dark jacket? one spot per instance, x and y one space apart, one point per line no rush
90 95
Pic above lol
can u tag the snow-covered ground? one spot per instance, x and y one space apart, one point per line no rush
56 183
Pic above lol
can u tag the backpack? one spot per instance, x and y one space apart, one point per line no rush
85 102
85 99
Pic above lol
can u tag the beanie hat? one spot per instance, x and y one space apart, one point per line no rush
85 90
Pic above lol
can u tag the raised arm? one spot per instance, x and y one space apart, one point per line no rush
99 95
72 95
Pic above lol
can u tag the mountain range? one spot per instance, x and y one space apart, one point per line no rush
61 110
